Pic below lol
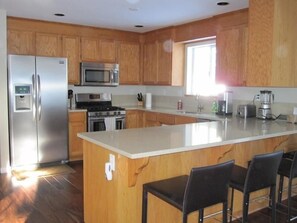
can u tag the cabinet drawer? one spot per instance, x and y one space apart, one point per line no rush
165 119
77 116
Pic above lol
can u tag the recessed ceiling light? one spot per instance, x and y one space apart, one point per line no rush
138 26
223 3
59 14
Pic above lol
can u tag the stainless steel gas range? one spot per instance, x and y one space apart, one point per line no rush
102 116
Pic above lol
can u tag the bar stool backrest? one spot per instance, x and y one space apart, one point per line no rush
294 166
207 186
262 171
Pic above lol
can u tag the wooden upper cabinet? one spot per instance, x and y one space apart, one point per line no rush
150 63
20 42
48 45
231 60
71 50
163 63
98 50
129 62
272 50
107 50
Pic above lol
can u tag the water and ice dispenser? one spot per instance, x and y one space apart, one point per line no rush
23 98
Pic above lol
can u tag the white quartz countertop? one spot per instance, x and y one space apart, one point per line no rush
154 141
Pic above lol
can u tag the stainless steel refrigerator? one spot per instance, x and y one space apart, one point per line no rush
38 116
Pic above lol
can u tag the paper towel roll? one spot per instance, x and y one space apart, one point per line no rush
148 100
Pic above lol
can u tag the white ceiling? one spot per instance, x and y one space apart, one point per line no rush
120 14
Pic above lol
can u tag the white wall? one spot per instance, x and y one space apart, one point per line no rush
4 143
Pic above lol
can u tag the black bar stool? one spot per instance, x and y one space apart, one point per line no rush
204 187
260 174
287 168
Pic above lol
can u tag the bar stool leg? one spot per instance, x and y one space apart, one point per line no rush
289 199
185 218
245 208
231 204
201 214
225 212
144 206
280 189
272 203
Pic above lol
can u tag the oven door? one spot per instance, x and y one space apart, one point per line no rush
96 124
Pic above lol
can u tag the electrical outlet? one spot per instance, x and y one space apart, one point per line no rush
112 161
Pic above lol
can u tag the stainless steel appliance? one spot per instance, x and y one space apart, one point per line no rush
99 74
266 98
225 105
102 116
246 111
38 110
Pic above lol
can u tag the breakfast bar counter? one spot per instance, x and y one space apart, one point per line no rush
149 154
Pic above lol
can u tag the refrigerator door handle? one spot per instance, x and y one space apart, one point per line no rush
39 97
34 97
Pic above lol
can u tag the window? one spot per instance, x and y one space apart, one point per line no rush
201 68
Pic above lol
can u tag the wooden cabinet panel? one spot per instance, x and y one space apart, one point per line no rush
165 119
107 50
70 47
150 119
98 50
150 63
184 120
231 57
129 61
272 43
20 42
77 123
134 119
164 62
48 45
89 50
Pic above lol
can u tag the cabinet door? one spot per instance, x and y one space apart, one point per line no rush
164 62
70 46
129 54
184 120
150 63
77 123
231 57
107 50
89 49
20 42
48 45
131 119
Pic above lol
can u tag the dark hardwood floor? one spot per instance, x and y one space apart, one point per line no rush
52 199
59 199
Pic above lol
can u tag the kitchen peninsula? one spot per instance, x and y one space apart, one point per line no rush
149 154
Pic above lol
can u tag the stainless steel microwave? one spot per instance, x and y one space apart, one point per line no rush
99 74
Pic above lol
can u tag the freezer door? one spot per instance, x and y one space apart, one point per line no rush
52 112
22 124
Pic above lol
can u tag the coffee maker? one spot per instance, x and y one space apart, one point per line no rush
225 105
266 98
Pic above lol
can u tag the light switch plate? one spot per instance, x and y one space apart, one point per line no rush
112 161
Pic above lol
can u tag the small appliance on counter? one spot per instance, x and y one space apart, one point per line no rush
266 98
225 105
148 100
246 111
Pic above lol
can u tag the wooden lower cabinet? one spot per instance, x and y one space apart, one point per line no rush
134 119
178 120
76 124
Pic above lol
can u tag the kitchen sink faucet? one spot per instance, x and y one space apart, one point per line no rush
200 107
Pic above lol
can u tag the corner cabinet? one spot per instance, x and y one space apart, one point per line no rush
231 60
129 61
77 123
